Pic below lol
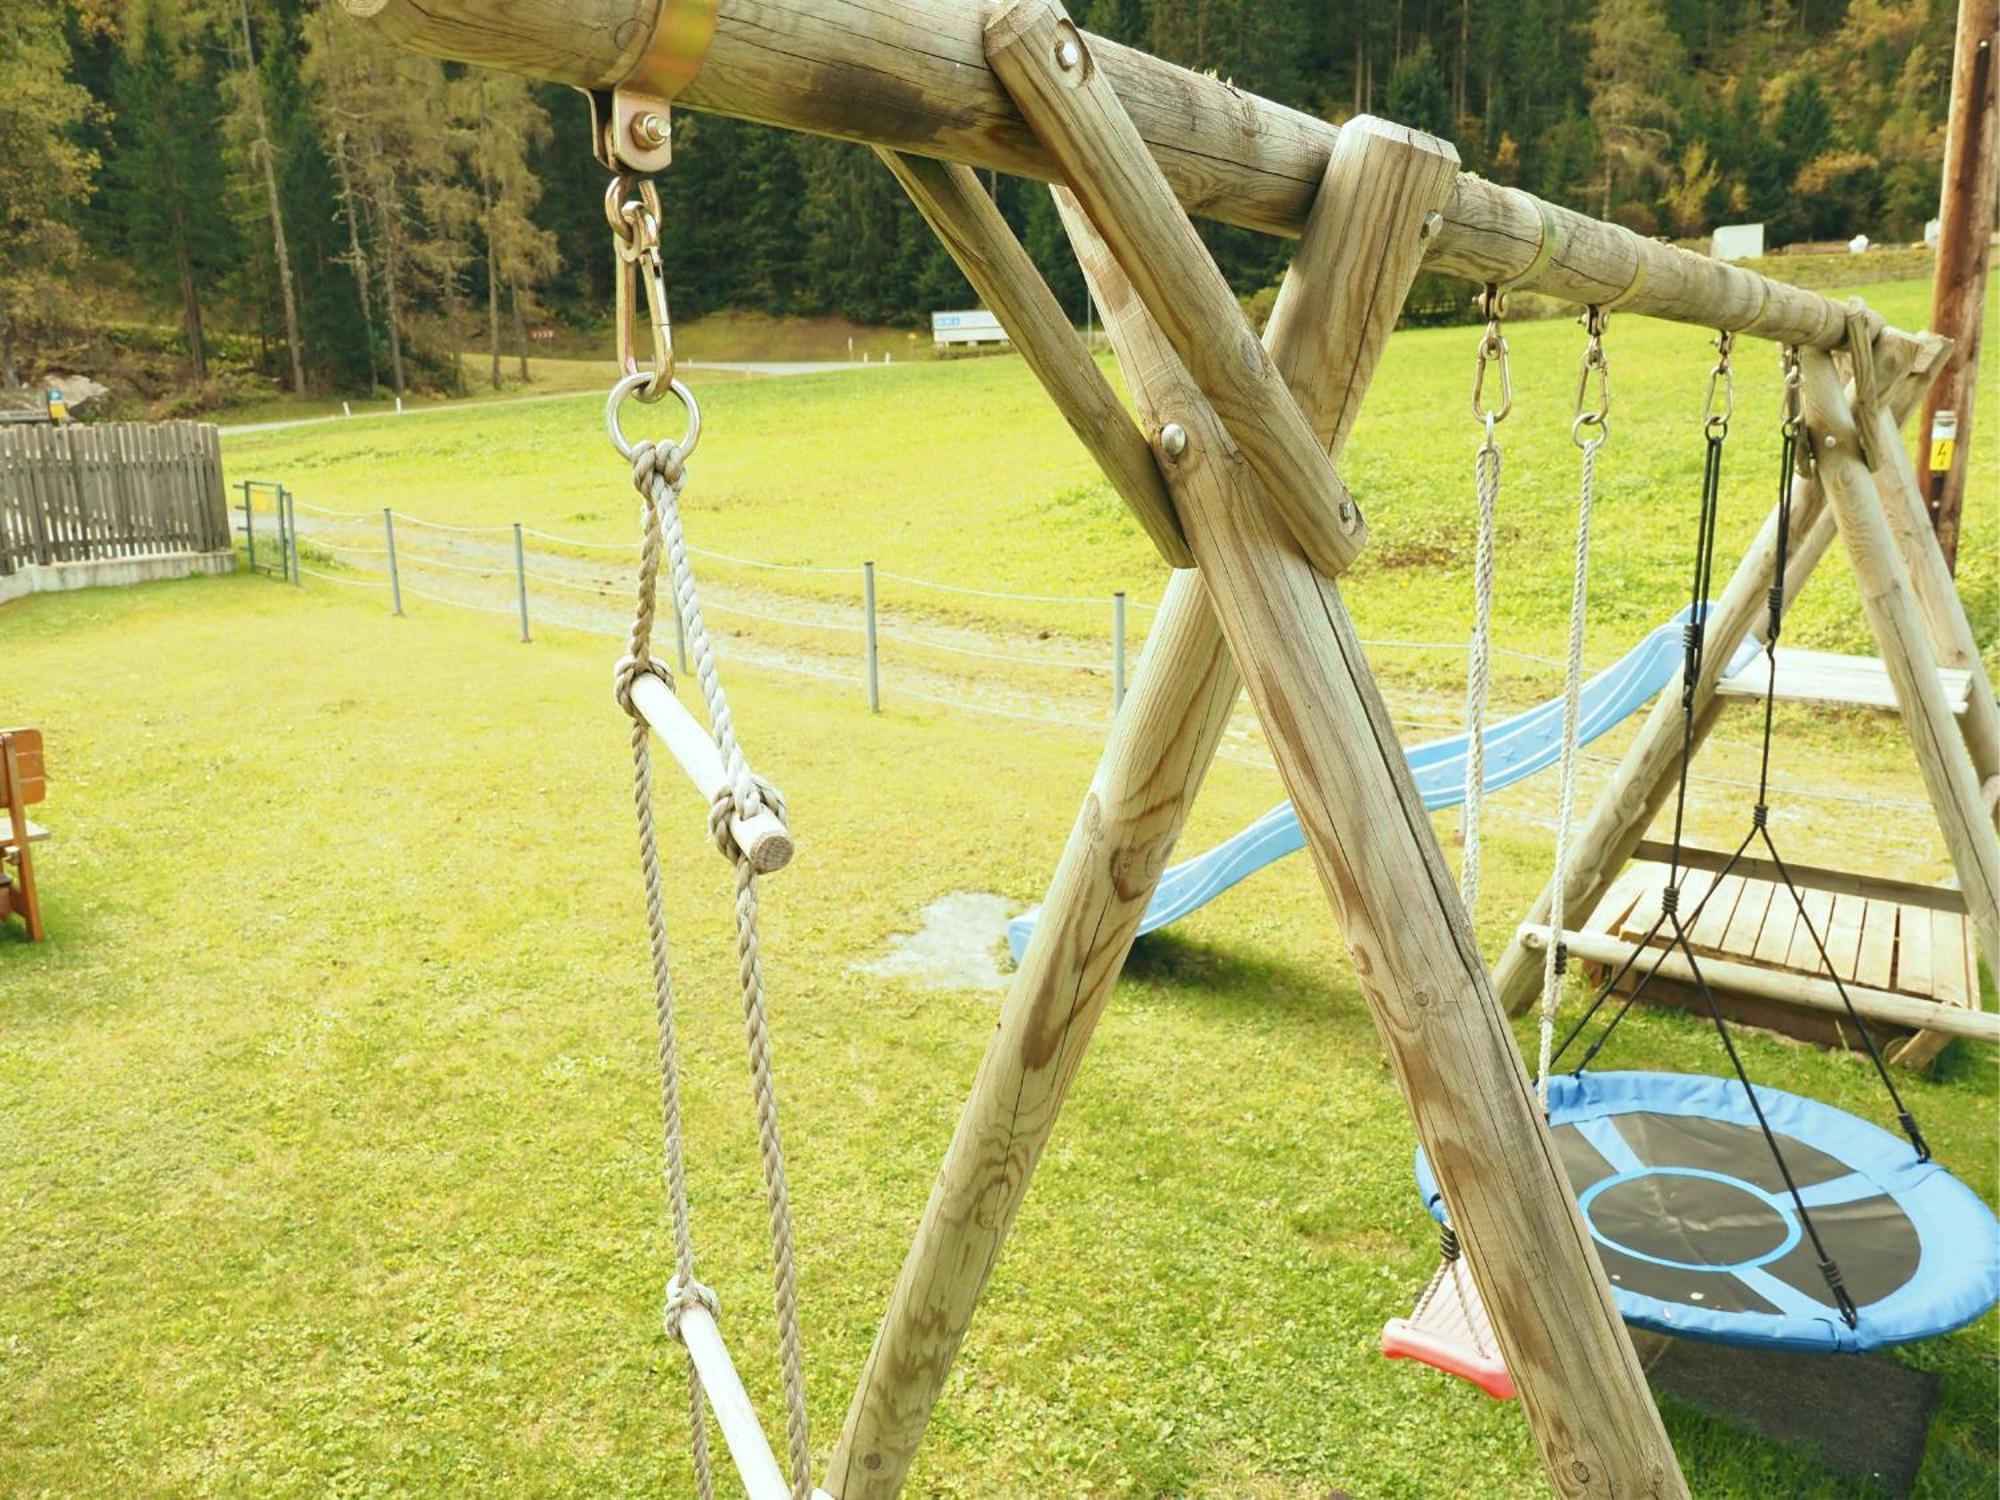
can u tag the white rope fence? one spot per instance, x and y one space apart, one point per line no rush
861 622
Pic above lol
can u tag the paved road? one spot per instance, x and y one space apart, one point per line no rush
772 368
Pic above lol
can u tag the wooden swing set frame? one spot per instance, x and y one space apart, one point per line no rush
1231 470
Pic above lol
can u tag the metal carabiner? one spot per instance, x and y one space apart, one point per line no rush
635 240
1597 367
1716 421
1492 348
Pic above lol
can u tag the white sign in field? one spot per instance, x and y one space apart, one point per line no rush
966 329
1737 241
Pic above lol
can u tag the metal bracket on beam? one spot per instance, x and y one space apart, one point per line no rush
631 124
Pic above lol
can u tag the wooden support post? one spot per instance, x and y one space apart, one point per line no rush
1355 264
1418 964
1938 600
1965 231
967 220
1651 765
1043 61
1890 604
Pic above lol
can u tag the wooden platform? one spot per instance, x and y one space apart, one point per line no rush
1912 941
1831 678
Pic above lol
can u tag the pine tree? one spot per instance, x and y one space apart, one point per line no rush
168 175
519 254
1634 67
1417 96
44 173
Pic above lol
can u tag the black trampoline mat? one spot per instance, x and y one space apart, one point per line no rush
1695 1211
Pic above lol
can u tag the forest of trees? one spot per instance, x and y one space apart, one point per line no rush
365 216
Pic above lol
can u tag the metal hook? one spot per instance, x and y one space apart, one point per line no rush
1492 347
635 238
1723 377
1596 368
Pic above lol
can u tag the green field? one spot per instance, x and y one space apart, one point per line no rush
330 1144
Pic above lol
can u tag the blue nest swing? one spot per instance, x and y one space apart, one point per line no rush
1699 1236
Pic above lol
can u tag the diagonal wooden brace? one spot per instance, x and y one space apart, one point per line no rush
1046 64
1355 264
1889 600
968 222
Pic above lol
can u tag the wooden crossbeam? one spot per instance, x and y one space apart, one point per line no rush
912 75
1810 992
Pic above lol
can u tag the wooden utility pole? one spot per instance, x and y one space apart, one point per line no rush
1965 231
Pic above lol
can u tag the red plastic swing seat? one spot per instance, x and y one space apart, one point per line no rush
1449 1331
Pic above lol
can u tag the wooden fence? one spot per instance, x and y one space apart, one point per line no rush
109 490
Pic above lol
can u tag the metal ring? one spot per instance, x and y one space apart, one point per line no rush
630 386
1596 422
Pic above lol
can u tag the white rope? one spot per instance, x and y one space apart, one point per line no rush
952 588
1553 961
659 474
444 526
350 583
1479 675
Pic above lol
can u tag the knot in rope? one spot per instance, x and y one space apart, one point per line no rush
628 672
739 802
683 1296
665 461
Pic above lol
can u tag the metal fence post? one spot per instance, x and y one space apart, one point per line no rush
874 649
1117 651
249 527
521 579
395 580
292 531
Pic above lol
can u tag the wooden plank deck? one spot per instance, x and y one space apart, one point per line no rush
1829 677
1907 947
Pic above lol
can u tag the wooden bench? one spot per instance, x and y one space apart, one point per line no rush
23 781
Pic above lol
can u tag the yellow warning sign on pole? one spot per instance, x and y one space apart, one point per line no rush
1944 441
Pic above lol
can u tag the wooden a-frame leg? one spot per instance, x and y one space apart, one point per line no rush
1581 1386
1361 248
1889 601
1647 772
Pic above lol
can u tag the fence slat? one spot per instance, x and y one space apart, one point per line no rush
112 489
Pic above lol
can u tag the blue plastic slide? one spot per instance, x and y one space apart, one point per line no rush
1516 748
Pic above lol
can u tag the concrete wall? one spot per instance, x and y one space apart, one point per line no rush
110 572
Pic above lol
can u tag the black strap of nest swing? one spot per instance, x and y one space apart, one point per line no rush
1697 642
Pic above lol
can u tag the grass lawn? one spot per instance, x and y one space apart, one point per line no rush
330 1145
962 472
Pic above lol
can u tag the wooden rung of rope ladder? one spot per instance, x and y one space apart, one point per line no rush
756 1465
764 837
